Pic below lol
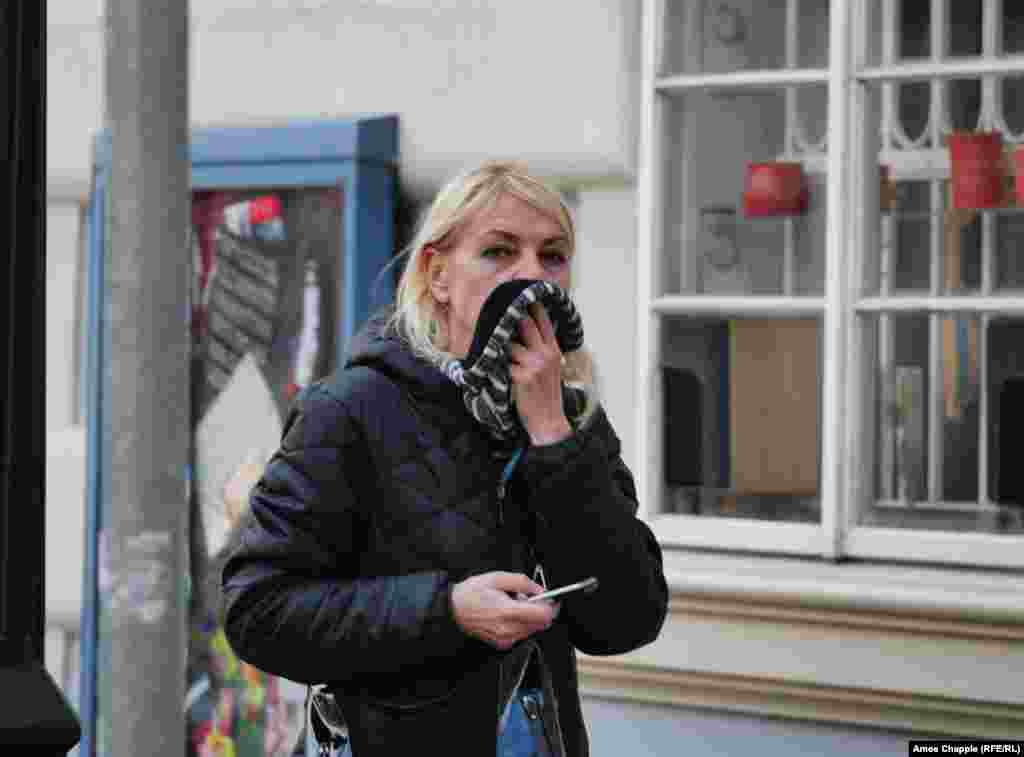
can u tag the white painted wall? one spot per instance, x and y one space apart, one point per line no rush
62 222
65 523
65 442
74 86
604 281
551 83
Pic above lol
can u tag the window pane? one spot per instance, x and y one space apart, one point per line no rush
964 22
915 25
898 30
913 101
909 265
945 435
902 29
1011 106
737 35
961 261
1009 244
712 243
963 105
959 241
729 387
925 244
1013 27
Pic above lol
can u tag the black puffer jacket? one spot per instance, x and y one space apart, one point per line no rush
383 495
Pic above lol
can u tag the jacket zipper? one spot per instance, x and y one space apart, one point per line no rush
506 474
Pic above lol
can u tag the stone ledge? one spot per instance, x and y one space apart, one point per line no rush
963 597
923 715
822 651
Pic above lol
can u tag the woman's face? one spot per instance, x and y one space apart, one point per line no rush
509 240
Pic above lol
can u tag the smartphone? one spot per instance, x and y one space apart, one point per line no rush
586 586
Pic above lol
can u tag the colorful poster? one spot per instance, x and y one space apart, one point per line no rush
266 283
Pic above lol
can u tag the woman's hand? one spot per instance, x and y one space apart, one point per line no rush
536 370
483 607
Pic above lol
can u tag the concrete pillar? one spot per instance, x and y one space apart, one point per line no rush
143 541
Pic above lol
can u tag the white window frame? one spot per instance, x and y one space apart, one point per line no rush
852 152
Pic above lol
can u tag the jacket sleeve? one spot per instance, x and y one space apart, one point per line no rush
586 504
294 602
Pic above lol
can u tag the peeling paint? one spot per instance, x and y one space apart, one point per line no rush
135 580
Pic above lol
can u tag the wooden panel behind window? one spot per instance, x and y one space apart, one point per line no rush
774 406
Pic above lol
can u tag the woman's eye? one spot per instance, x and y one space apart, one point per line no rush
496 252
555 258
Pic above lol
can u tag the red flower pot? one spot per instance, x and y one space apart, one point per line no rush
774 189
1018 167
977 170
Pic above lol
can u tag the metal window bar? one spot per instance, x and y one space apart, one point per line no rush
741 80
996 304
790 147
991 113
992 22
935 375
988 231
650 240
938 49
886 253
957 68
739 306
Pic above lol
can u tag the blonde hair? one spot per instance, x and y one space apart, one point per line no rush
417 319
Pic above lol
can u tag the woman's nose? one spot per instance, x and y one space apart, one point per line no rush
532 267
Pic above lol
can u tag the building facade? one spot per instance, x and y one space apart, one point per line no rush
814 357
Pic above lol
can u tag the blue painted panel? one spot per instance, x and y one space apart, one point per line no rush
373 138
88 645
369 139
357 155
369 229
280 175
102 146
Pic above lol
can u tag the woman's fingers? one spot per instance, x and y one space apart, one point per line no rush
528 329
535 368
536 328
517 353
538 337
510 583
543 320
484 607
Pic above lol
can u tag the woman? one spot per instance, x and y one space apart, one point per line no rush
397 533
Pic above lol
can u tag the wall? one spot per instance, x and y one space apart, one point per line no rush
74 82
65 441
604 280
469 79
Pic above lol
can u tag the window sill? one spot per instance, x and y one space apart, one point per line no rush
943 594
907 648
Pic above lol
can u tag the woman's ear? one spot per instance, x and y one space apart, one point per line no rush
437 274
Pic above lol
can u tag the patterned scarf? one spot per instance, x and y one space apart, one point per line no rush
484 375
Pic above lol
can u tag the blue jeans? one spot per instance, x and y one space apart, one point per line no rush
523 735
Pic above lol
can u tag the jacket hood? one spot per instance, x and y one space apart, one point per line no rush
376 346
